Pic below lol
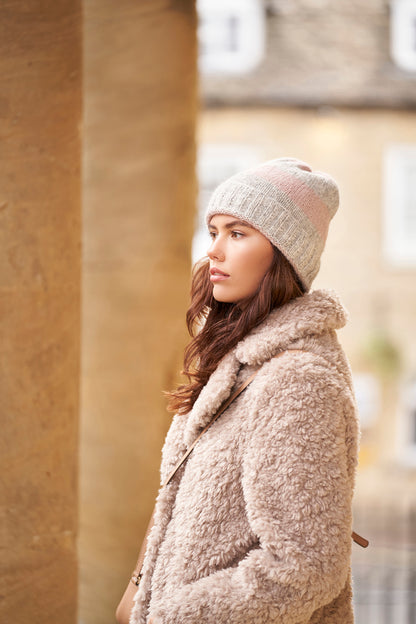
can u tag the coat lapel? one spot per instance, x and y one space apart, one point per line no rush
213 394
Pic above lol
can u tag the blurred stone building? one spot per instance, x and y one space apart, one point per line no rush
328 88
334 83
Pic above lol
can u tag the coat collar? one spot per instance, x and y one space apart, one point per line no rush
313 313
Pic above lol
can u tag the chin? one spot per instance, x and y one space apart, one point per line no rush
228 297
222 298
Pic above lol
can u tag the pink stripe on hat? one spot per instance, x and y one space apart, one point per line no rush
301 194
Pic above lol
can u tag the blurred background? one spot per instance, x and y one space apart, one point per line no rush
118 120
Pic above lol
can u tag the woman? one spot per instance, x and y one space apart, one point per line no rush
255 527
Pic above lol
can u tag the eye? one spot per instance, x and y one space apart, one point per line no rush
212 234
235 234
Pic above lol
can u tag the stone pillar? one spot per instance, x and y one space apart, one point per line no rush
40 114
139 201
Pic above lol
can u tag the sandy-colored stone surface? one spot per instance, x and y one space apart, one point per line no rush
139 201
40 219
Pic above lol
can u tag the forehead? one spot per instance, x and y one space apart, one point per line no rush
227 221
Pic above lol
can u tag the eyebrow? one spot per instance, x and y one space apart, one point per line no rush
231 224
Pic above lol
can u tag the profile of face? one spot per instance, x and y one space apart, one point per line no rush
239 255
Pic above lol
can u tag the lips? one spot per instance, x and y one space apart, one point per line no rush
217 275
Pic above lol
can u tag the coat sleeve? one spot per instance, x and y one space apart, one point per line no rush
297 490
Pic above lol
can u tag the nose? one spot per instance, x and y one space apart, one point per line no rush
215 251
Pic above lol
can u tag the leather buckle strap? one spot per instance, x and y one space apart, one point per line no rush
358 539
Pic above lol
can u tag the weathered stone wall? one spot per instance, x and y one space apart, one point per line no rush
139 197
40 115
321 52
350 145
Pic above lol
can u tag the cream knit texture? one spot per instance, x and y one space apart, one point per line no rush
287 202
255 528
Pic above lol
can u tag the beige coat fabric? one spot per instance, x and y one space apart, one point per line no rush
256 527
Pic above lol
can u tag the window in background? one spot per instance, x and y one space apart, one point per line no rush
231 35
399 236
403 34
407 425
368 397
217 162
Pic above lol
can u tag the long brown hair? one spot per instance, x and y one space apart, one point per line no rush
216 327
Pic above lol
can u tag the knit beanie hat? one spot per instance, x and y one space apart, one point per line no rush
287 202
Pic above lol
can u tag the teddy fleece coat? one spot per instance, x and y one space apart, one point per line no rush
256 526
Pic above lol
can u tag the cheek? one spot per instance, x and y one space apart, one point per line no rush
257 274
256 265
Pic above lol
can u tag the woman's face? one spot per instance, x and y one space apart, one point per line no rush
240 256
